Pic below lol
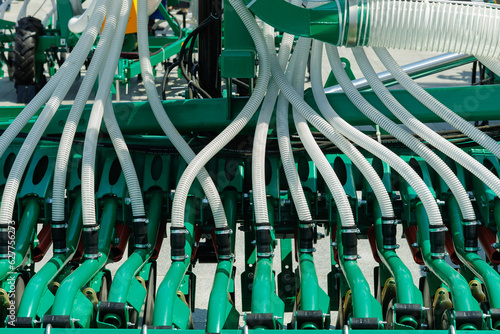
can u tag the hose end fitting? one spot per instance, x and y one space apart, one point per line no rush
350 242
178 243
471 233
6 239
306 236
91 240
438 239
140 231
223 240
58 231
389 226
263 240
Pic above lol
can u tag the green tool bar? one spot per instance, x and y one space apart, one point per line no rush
363 303
164 310
481 269
458 286
23 237
66 293
32 295
127 271
475 103
406 291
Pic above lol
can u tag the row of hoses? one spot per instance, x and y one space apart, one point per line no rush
276 74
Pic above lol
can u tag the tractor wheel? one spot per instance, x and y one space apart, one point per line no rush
25 73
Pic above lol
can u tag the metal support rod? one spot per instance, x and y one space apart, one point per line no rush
474 262
66 293
33 294
126 273
415 70
23 237
458 286
167 292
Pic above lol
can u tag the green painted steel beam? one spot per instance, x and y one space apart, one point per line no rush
472 103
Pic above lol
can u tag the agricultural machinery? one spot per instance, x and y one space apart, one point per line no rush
246 166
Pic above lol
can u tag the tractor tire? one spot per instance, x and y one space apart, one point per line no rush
27 31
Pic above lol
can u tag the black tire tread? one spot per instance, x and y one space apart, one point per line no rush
25 41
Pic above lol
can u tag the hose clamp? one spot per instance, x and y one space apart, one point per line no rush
91 228
142 246
470 222
351 257
353 229
440 228
352 29
179 258
179 231
140 220
61 250
92 256
307 250
307 224
223 231
267 254
8 226
62 225
226 257
389 220
264 227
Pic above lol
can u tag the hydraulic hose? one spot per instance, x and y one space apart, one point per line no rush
376 148
90 226
285 147
312 148
260 137
437 107
29 145
236 125
166 124
66 141
398 132
462 158
71 66
131 179
78 23
441 26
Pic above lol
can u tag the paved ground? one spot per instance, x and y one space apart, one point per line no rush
205 272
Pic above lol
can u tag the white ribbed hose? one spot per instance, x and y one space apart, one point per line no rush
397 131
31 141
3 8
23 11
442 26
260 137
66 141
236 125
166 124
435 106
340 141
285 147
378 149
314 151
128 168
462 158
95 119
71 66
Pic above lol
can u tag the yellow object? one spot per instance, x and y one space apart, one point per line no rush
477 290
132 20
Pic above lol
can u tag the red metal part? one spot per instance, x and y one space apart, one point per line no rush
487 238
122 233
79 251
159 240
450 248
411 237
44 242
373 243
